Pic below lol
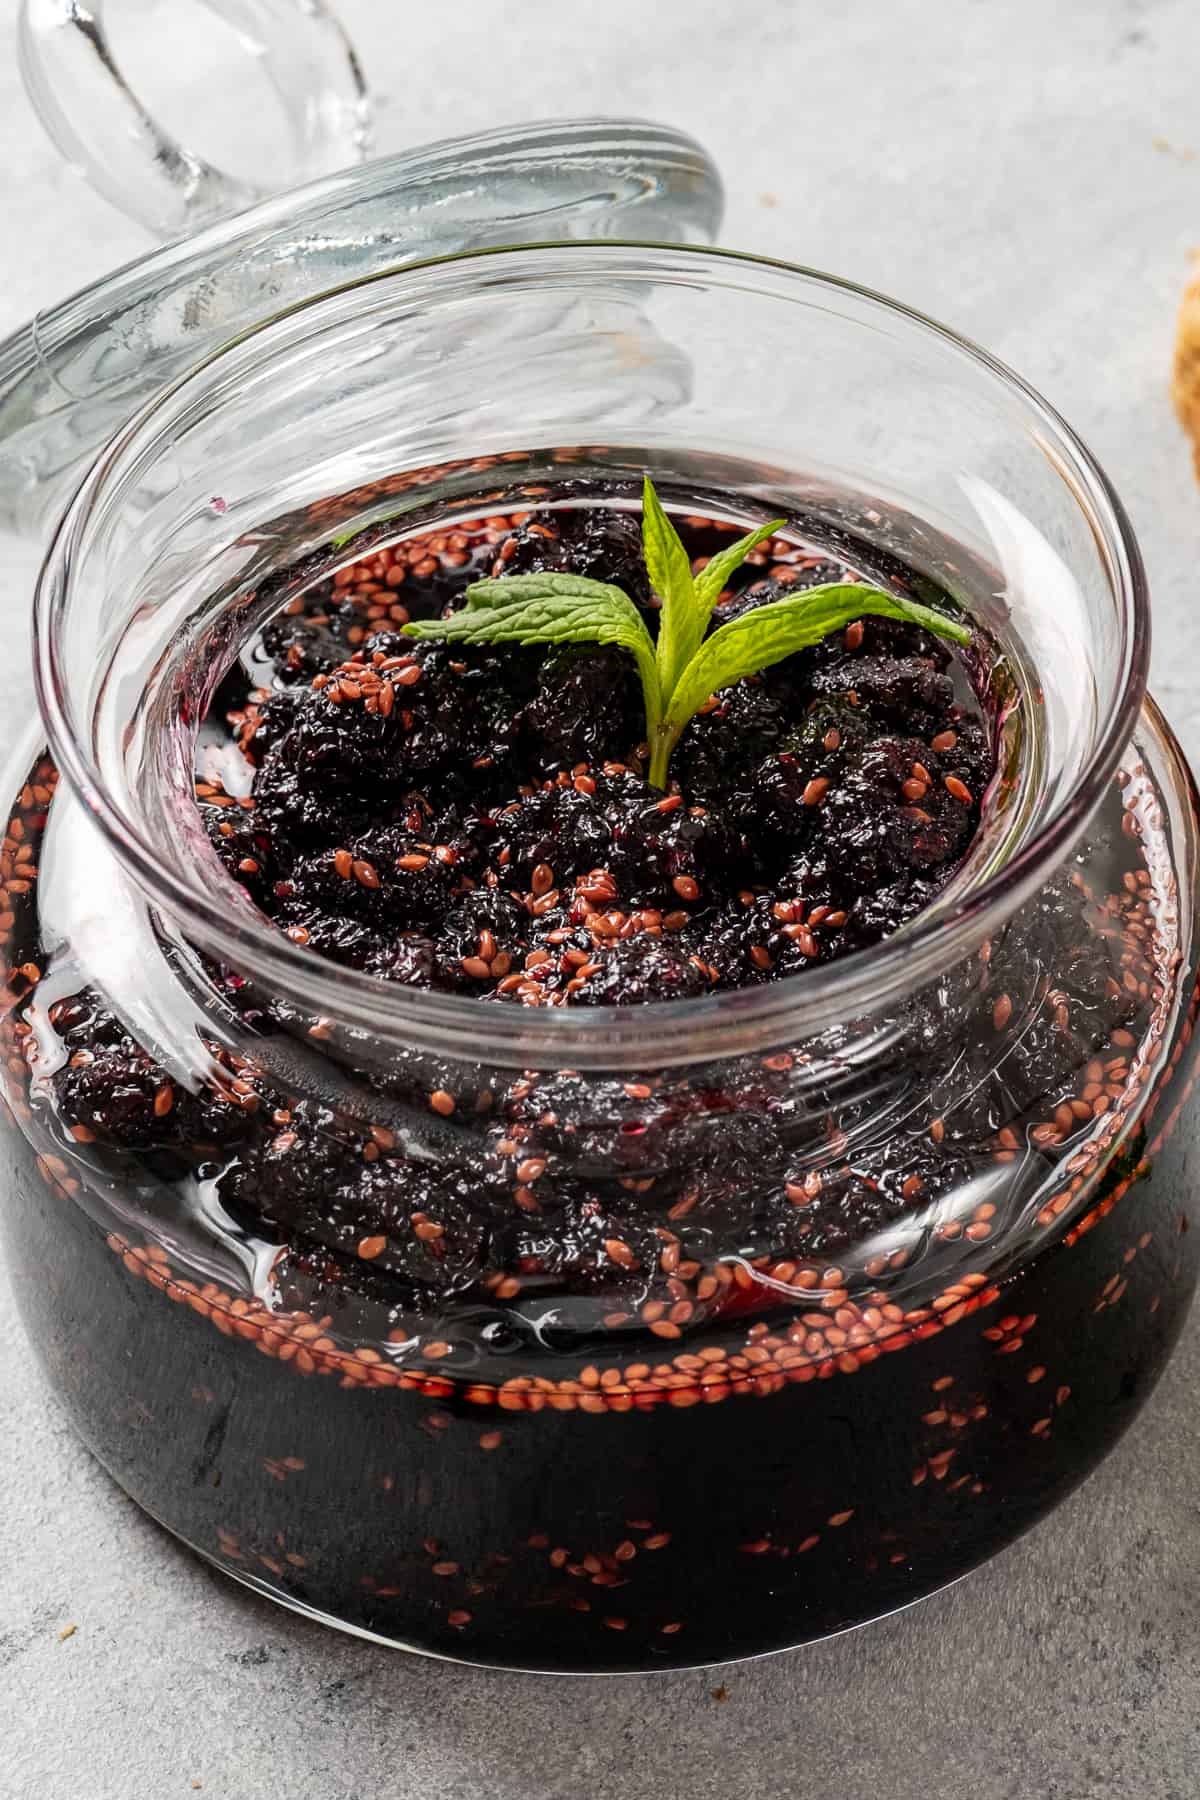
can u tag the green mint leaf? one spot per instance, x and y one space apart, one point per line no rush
765 636
715 576
552 609
670 570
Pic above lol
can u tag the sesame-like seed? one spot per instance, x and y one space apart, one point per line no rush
686 887
958 790
413 861
343 862
945 740
442 1102
371 1247
854 635
1002 1012
365 873
815 791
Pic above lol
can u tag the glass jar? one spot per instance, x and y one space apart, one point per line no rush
888 1252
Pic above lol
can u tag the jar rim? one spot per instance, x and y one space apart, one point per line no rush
733 1021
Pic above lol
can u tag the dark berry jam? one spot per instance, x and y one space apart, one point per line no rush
478 820
555 1368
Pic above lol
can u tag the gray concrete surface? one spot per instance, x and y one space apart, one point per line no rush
1031 173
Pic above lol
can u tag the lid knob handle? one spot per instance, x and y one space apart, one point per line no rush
97 122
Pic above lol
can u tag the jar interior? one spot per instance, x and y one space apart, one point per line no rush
721 377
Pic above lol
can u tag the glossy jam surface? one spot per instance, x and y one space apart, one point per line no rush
478 820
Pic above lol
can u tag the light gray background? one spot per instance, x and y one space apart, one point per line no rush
1030 172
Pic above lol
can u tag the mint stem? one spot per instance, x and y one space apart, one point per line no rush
662 742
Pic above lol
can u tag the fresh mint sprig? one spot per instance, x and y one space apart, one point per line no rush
683 668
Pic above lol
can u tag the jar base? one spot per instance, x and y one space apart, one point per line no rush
290 1604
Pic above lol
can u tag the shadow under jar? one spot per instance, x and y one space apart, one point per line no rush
869 1266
